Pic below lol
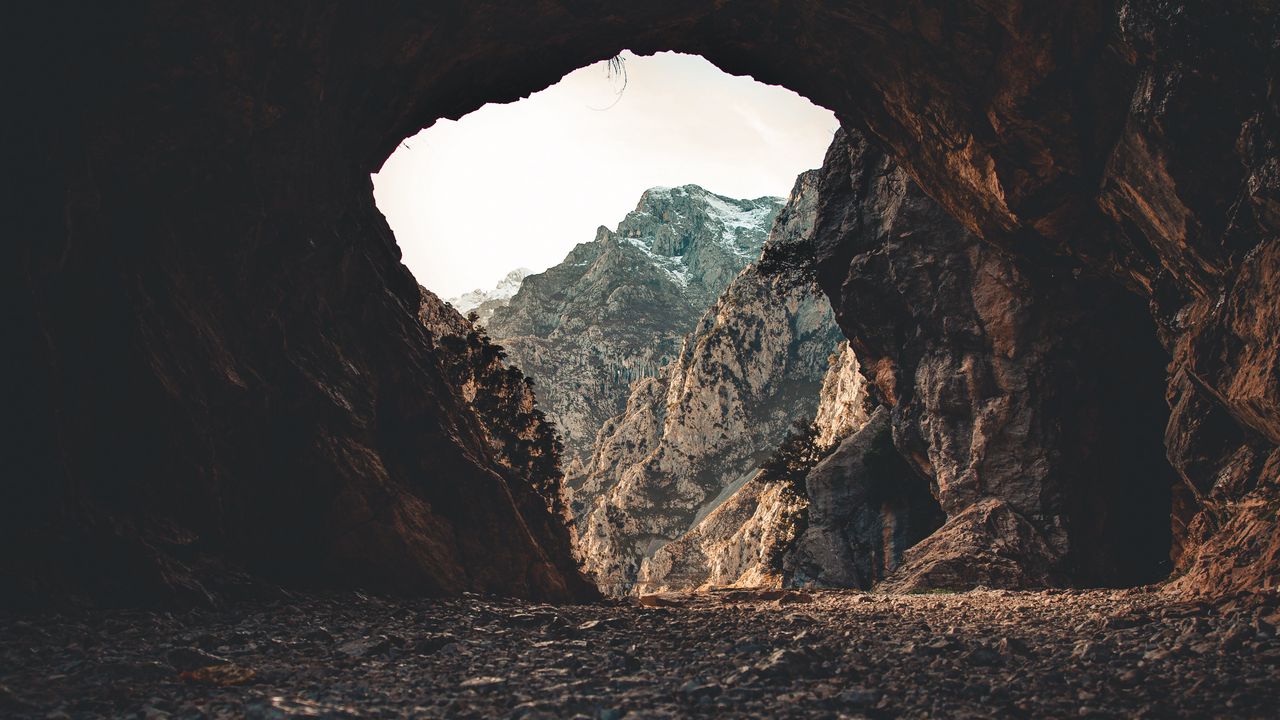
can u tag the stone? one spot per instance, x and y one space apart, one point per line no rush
193 658
1130 676
696 690
365 647
783 663
319 635
223 675
427 644
982 656
988 544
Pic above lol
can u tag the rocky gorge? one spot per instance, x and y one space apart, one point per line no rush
750 366
616 308
1049 231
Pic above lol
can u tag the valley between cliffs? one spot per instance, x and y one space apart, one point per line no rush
245 473
1048 232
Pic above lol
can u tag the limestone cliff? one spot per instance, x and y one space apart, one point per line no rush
730 547
843 401
690 435
615 310
744 540
1004 383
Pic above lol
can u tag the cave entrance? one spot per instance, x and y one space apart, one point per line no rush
203 252
476 203
590 228
632 192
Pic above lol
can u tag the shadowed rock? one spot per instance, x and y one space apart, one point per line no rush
213 358
866 507
988 544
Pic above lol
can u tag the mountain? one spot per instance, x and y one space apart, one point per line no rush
747 539
616 309
484 302
696 429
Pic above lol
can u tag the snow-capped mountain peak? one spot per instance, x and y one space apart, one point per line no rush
506 289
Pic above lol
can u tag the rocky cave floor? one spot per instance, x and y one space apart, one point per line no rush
1133 653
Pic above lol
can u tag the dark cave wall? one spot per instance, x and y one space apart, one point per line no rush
1043 392
231 358
214 347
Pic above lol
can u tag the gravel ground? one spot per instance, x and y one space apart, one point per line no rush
722 654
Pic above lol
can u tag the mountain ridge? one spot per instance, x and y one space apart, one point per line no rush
752 364
617 307
484 302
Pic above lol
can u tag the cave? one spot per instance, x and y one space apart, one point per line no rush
217 382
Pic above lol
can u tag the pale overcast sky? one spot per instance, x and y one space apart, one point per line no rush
519 185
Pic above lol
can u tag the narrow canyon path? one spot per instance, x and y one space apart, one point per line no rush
1133 653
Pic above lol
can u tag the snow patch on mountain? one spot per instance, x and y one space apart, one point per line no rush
672 265
506 289
737 216
616 310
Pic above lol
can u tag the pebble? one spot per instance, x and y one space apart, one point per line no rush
738 654
186 658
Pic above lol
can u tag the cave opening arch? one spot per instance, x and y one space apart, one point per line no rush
273 261
1125 539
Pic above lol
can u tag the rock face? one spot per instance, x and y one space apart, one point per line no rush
1003 383
615 310
842 402
744 540
866 506
690 436
730 547
987 544
213 351
484 302
518 436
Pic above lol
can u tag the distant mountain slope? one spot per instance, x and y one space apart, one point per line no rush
484 302
746 536
616 309
691 435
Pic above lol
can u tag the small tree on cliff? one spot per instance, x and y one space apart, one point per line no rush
789 464
522 436
795 456
790 265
